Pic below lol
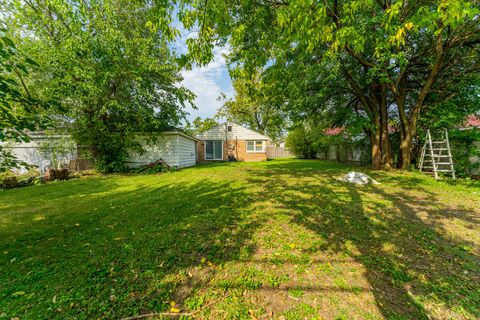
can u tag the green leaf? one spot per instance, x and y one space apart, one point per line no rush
32 62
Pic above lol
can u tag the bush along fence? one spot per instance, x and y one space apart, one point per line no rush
352 150
466 151
465 147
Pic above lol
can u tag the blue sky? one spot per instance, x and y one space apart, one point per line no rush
206 82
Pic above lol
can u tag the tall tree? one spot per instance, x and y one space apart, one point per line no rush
255 105
199 125
100 59
391 54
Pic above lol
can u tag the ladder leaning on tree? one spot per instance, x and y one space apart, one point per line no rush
436 156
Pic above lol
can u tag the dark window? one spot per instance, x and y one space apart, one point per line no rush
213 150
229 128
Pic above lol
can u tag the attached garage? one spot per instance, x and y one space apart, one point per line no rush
175 147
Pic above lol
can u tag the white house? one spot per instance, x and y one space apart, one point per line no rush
39 151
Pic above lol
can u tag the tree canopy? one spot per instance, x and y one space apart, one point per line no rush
113 75
386 61
258 104
19 110
199 125
373 65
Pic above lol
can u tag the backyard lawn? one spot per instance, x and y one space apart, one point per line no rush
280 239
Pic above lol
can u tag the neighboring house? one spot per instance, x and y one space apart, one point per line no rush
232 142
42 151
472 121
175 147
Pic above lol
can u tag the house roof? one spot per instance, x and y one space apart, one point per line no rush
333 131
472 121
180 133
337 130
221 132
170 130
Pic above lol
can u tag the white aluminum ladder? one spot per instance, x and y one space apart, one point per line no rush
436 156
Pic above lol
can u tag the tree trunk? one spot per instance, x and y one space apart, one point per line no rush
406 142
375 143
387 160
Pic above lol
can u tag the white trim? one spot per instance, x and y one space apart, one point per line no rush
254 146
205 150
180 134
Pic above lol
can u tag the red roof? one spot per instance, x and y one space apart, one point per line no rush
333 131
472 121
336 131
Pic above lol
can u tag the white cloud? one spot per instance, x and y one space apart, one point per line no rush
208 83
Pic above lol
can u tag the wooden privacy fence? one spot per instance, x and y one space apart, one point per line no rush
277 152
80 164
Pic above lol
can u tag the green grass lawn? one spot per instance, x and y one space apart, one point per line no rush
280 239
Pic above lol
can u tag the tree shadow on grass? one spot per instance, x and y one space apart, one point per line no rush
415 268
118 250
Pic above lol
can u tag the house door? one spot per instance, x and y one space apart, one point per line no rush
213 150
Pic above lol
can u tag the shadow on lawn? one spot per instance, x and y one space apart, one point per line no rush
420 259
119 251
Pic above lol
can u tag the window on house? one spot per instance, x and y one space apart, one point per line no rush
229 128
255 146
213 150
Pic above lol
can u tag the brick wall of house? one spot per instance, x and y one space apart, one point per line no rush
236 148
243 155
201 151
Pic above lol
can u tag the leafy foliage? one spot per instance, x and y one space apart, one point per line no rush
387 61
302 143
466 151
199 125
19 111
113 75
257 104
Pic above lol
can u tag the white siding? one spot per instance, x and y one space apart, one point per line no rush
30 152
186 152
165 147
220 132
175 149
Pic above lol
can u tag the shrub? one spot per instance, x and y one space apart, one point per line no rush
301 143
9 180
465 147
